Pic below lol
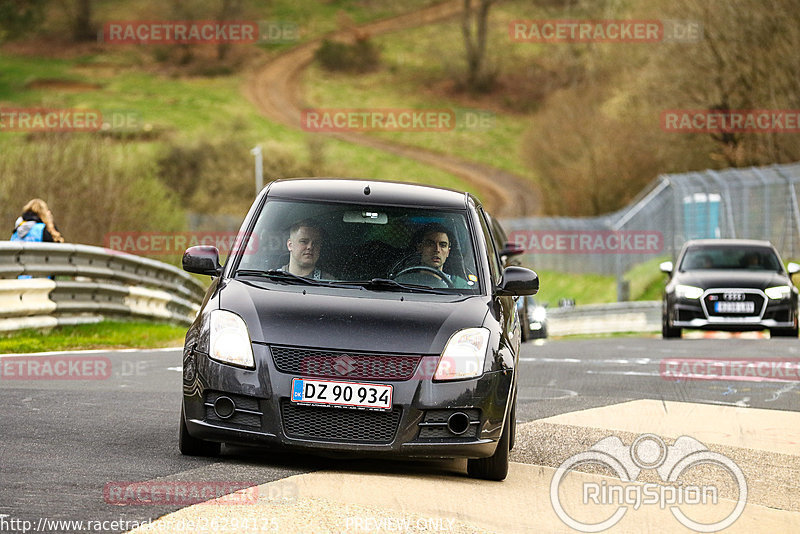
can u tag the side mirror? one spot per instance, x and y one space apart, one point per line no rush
792 268
511 249
666 267
518 281
202 259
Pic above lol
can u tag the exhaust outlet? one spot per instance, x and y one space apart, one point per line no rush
458 423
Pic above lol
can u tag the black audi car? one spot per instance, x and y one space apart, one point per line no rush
729 284
357 317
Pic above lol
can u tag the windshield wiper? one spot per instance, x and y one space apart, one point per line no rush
283 276
393 285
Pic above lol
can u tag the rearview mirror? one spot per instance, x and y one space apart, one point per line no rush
202 259
518 281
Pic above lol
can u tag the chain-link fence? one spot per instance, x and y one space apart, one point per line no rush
749 203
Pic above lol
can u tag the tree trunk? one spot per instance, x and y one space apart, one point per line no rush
474 27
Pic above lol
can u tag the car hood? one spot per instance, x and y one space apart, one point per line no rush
712 278
351 319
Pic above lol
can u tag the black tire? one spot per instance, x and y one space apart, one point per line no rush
668 332
783 332
190 446
495 467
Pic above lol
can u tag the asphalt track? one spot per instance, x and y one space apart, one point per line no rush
66 441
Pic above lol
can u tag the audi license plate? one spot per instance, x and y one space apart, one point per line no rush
746 306
350 394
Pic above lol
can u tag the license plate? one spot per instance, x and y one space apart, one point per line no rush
334 393
747 306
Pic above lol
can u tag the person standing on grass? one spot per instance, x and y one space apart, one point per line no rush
36 224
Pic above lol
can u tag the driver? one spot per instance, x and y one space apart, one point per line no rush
433 243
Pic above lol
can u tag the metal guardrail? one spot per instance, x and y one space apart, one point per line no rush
90 282
634 316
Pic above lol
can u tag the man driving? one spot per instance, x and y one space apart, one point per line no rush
304 244
434 244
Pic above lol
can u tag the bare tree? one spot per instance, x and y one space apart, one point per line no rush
79 16
474 27
229 10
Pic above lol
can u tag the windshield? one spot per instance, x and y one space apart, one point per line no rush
382 248
730 257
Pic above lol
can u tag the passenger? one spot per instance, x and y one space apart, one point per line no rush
36 224
304 244
434 244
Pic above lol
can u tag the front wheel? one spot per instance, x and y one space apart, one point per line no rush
190 446
783 332
668 331
495 467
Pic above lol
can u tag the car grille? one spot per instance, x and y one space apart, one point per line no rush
247 414
721 296
337 364
339 424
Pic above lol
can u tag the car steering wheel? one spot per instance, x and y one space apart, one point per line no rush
425 269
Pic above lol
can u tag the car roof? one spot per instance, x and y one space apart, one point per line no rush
380 192
729 242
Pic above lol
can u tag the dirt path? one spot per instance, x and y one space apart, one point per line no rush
276 89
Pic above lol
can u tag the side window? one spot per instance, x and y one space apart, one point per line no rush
494 262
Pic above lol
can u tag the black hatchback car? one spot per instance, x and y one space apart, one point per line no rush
729 284
357 317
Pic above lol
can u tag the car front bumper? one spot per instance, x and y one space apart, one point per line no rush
685 313
414 428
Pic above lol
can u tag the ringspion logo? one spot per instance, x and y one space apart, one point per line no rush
648 451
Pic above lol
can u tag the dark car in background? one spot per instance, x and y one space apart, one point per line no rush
376 352
532 318
729 284
532 315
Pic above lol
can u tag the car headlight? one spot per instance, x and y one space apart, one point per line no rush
229 341
778 292
539 314
464 355
688 292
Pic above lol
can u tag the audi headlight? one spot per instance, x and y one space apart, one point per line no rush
778 292
688 292
229 341
464 355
